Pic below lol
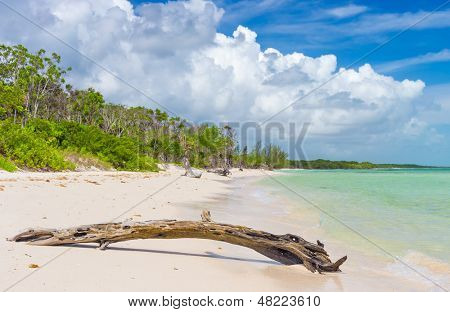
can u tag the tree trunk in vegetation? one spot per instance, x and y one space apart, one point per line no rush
287 249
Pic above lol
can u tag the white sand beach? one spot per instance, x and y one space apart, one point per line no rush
53 200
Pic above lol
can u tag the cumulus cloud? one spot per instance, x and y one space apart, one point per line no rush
173 52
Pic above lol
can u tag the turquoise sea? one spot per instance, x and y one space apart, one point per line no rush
401 210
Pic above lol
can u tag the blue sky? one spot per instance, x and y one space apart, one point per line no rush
307 27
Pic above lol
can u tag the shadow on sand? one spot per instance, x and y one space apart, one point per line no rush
208 254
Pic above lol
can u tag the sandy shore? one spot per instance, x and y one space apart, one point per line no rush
68 199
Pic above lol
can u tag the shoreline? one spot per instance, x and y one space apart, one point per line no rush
416 270
77 198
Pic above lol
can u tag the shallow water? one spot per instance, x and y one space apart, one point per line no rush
405 212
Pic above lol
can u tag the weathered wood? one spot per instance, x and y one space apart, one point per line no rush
223 172
189 172
287 249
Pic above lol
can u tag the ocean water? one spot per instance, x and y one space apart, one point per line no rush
404 211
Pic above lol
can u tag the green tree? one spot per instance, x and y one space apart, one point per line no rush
11 101
37 75
87 106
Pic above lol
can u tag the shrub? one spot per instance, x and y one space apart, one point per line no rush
28 150
85 160
121 152
44 144
7 165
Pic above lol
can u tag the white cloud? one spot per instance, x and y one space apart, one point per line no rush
414 127
173 52
437 104
347 11
243 10
441 56
364 27
375 23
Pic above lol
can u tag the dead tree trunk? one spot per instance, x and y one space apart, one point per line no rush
287 249
189 171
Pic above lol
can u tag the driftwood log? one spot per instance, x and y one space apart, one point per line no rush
223 172
287 249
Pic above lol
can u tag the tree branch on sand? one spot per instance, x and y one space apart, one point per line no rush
287 249
223 172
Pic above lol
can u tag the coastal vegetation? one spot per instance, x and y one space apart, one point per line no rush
44 120
47 124
330 164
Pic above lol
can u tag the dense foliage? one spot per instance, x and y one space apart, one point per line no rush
26 148
46 124
269 157
7 165
43 144
43 119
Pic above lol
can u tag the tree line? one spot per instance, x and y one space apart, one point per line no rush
47 124
341 164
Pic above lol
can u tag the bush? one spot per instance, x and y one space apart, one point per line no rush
85 161
7 165
43 144
121 152
28 150
142 163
